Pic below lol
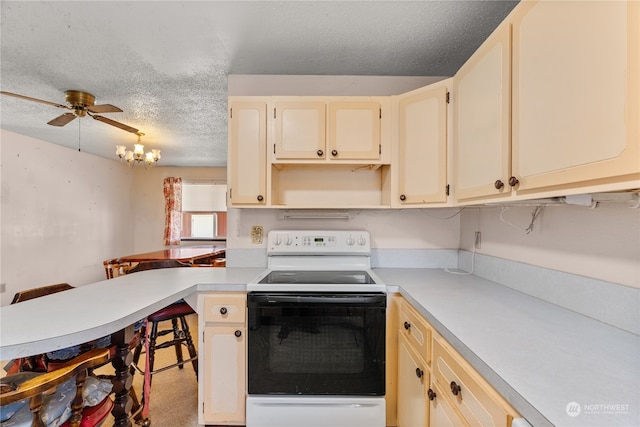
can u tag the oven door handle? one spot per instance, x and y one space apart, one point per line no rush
377 299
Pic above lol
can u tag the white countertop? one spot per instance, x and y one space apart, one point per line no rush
93 311
539 356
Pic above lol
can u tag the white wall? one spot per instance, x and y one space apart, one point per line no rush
602 243
63 213
390 229
148 203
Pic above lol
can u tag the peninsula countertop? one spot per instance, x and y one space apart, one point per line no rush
539 356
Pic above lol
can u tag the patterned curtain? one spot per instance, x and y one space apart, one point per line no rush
172 210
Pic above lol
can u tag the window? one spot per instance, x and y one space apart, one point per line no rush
204 211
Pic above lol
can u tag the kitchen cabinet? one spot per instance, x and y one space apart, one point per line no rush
413 380
223 359
482 115
422 120
576 94
247 143
330 152
470 396
441 412
414 355
312 128
436 386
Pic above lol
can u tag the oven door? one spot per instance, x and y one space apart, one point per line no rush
316 343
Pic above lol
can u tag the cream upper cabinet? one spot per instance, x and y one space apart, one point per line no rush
299 130
576 93
354 130
481 99
247 164
422 145
317 128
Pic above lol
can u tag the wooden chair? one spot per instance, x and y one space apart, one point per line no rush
40 292
37 388
40 363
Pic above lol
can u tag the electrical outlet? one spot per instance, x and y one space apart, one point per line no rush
476 243
256 234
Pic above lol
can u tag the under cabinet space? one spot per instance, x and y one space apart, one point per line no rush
330 186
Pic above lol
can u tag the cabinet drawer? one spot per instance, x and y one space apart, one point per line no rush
416 330
225 308
469 393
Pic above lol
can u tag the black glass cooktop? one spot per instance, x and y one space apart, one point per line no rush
318 277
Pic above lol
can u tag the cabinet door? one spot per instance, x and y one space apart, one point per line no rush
413 377
481 97
441 413
246 168
224 374
466 390
299 130
354 130
576 91
422 146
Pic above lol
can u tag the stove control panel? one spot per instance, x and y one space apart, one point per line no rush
314 242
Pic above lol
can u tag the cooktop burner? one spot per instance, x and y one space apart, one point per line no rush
318 277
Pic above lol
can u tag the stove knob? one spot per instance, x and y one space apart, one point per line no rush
288 240
278 240
362 241
351 241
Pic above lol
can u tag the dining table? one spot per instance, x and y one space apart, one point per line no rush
181 256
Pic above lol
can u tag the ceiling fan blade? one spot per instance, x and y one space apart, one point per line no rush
62 120
114 123
28 98
104 108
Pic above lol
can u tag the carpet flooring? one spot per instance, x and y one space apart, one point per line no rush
174 392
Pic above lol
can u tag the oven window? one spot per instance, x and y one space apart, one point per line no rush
316 344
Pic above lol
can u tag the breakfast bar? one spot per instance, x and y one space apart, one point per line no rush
539 356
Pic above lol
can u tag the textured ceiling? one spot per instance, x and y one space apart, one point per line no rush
165 63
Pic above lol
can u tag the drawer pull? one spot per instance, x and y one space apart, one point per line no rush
238 333
407 325
498 184
431 394
223 310
320 153
455 388
419 372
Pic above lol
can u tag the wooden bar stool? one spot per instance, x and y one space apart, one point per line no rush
175 312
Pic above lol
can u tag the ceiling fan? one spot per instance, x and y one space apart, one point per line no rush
82 104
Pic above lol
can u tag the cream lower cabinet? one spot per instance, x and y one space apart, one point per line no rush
413 382
469 396
436 386
576 93
223 359
414 355
247 144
